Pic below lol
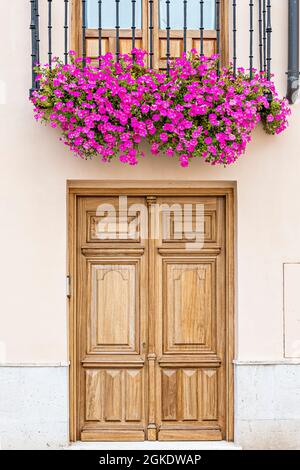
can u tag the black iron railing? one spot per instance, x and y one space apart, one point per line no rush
34 27
49 32
84 30
201 26
151 27
100 28
259 24
66 30
293 52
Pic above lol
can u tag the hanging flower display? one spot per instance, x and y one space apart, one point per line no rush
193 111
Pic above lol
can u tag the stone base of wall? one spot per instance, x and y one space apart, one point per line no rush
34 406
267 406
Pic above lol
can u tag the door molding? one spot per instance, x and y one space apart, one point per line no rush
77 188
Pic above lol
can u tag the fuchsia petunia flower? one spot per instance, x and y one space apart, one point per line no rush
193 111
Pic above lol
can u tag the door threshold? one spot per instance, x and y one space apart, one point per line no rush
155 445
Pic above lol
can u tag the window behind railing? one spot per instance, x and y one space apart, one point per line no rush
164 28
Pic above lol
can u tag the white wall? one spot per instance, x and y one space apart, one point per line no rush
35 166
33 407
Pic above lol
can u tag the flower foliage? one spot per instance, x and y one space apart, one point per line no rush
193 111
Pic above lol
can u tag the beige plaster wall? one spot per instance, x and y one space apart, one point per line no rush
34 168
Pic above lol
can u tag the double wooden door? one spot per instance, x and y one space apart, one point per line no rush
151 332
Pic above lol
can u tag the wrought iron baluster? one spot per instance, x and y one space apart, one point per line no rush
66 27
217 5
84 32
37 30
264 15
234 30
50 33
33 45
260 27
184 24
117 29
251 30
133 27
269 34
100 30
201 28
168 35
151 32
293 52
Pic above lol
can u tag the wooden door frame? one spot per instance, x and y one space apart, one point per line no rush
77 188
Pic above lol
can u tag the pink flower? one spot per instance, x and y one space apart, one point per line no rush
184 160
58 93
197 132
194 111
156 117
155 148
170 152
212 149
123 158
213 119
164 137
145 108
208 140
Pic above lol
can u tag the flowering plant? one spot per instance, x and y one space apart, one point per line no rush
194 111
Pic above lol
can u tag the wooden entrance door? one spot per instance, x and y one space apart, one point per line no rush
151 335
112 311
190 331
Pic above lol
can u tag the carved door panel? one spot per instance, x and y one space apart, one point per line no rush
151 328
190 324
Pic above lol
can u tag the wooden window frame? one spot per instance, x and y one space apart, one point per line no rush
76 31
76 28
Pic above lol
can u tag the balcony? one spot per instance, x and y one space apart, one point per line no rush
239 32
